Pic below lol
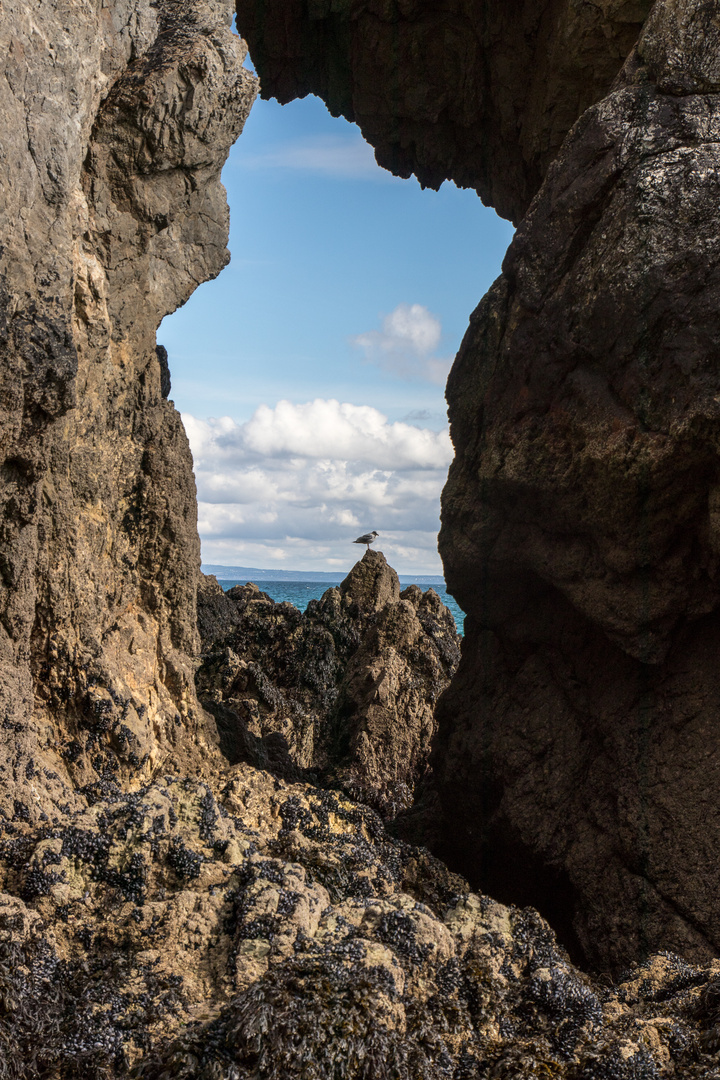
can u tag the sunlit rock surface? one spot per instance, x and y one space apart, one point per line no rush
348 687
114 124
237 927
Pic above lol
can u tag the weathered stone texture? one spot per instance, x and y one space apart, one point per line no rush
580 525
237 927
481 92
115 121
240 925
349 686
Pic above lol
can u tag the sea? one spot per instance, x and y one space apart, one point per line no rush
300 593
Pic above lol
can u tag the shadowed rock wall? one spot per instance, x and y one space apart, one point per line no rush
580 524
114 122
481 92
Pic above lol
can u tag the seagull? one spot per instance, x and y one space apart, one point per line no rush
367 538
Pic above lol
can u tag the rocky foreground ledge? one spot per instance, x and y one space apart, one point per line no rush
240 926
240 923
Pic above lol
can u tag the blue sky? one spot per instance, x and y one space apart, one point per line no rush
310 374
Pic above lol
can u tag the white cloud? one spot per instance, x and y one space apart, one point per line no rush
342 157
331 430
410 335
296 483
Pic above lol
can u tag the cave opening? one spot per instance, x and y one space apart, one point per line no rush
311 373
346 242
324 245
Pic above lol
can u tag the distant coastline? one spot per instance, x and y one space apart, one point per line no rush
255 574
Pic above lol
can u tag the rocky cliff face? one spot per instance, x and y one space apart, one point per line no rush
346 690
114 122
581 730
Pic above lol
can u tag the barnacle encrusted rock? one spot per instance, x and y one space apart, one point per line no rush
238 927
346 689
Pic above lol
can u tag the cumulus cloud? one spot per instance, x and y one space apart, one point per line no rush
329 429
406 343
342 157
304 479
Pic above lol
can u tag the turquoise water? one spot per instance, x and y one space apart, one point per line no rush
300 593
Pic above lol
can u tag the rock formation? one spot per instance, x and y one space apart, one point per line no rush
349 686
236 927
166 914
481 92
577 756
114 124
